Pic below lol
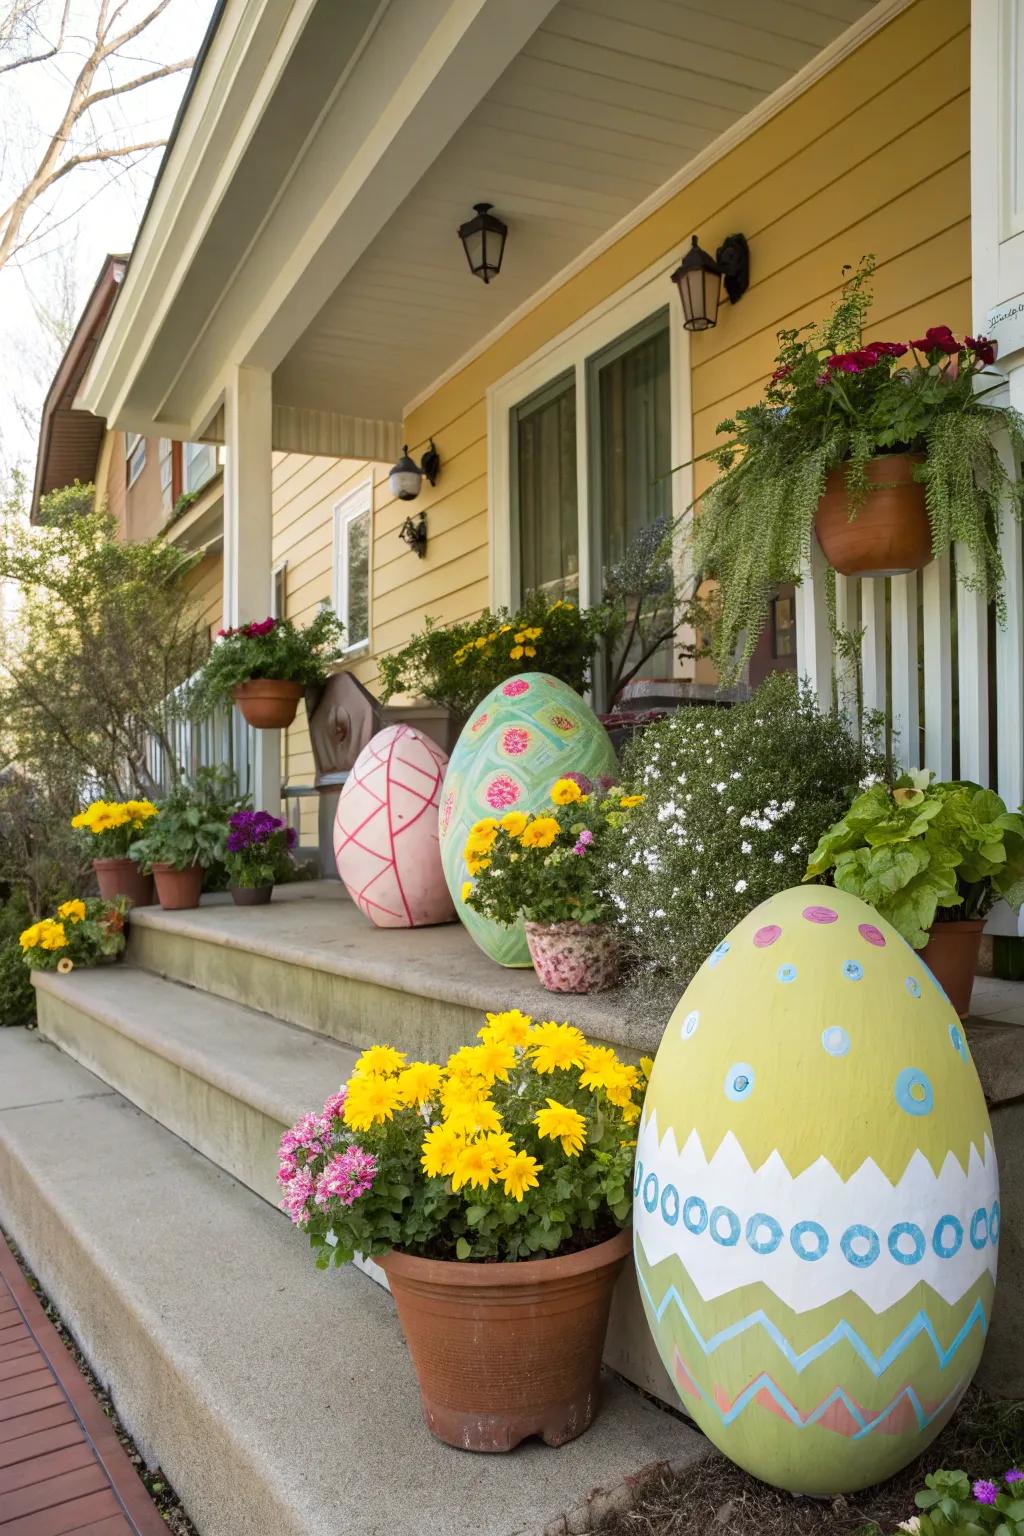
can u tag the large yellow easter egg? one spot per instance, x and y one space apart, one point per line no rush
529 731
816 1209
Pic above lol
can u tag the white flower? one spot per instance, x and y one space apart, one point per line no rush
736 775
744 847
868 782
740 887
796 847
913 1524
777 858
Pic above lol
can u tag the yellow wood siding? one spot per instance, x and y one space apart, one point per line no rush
874 157
205 583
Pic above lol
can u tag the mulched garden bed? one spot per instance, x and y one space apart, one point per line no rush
984 1438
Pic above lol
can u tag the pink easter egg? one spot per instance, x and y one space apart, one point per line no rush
386 831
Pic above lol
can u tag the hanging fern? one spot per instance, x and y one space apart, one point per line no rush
832 403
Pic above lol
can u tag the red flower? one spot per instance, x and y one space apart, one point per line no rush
781 373
887 348
984 349
257 631
938 338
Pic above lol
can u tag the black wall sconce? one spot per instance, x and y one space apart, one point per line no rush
699 279
483 240
415 534
406 477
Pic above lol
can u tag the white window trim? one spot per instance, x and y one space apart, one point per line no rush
131 442
276 571
638 301
354 505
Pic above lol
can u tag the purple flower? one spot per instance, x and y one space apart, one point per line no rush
251 829
1013 1476
985 1492
583 842
580 780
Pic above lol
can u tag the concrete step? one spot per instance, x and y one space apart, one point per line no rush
313 959
226 1078
278 1399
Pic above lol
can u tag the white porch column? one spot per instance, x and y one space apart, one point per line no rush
248 525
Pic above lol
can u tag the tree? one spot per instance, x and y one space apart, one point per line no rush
102 636
33 32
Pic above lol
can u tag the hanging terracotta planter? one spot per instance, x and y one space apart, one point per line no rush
123 877
889 533
951 955
574 957
268 704
251 895
178 889
505 1351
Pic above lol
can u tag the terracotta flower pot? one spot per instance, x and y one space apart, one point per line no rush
504 1351
889 533
178 888
123 877
251 895
951 955
574 957
267 704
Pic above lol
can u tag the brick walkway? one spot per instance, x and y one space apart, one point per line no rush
62 1467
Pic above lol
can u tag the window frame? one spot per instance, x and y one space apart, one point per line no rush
622 316
356 503
535 401
132 442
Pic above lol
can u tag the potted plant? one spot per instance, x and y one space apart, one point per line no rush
933 858
950 1504
83 933
494 1191
111 828
185 839
266 667
257 855
885 449
551 870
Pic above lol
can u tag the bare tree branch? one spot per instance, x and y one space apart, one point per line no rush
22 13
133 85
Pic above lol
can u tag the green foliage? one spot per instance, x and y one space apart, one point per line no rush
459 664
550 867
272 648
42 860
104 632
17 997
192 824
951 1506
833 402
918 847
734 800
82 933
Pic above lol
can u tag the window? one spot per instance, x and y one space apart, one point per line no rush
200 465
352 530
784 624
166 452
545 522
135 456
277 590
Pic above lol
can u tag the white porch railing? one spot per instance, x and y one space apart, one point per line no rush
223 740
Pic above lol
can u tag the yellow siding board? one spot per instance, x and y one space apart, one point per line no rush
466 468
461 603
418 596
293 519
442 550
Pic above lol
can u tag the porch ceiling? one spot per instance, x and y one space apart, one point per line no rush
605 103
305 219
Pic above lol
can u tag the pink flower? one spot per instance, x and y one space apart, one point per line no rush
781 373
479 722
984 1491
297 1197
257 631
515 741
502 792
515 687
583 842
347 1177
335 1104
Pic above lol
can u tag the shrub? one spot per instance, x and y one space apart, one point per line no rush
735 800
458 665
17 997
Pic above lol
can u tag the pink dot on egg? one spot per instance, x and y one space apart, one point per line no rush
820 915
767 935
872 934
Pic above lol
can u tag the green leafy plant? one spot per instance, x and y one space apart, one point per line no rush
521 1145
922 852
273 648
833 401
550 867
458 664
192 824
951 1505
83 933
734 799
17 996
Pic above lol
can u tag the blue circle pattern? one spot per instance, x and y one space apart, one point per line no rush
786 973
718 953
861 1246
853 970
958 1041
920 1103
835 1040
913 986
739 1082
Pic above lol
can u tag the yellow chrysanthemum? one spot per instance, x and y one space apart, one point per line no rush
601 1067
52 935
139 811
474 1166
532 634
647 1067
466 890
540 833
418 1082
72 911
473 1117
508 1028
513 822
441 1147
493 1060
29 937
520 1173
370 1101
476 863
379 1061
628 801
554 1047
560 1122
631 1112
517 653
566 792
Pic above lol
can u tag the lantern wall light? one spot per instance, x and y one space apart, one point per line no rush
483 240
406 477
699 278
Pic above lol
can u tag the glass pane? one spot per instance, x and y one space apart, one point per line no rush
200 464
544 492
357 579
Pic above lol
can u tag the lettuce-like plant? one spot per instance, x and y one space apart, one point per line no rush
921 852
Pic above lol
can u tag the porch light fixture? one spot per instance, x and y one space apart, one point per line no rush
699 280
483 240
415 534
406 477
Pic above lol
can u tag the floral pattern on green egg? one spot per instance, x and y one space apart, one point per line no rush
528 732
816 1211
